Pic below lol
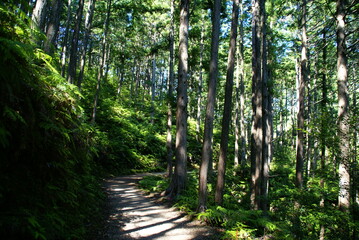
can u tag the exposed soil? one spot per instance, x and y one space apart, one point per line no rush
133 215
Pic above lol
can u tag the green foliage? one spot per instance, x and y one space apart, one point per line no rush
154 183
126 139
48 186
239 223
194 147
188 200
128 143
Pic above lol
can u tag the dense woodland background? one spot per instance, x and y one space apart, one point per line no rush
250 107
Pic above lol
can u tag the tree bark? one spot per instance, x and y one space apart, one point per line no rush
74 44
227 106
242 93
103 59
53 26
301 89
240 130
170 96
65 39
343 110
38 15
267 114
180 173
236 115
257 106
323 132
206 163
88 23
200 85
121 77
153 88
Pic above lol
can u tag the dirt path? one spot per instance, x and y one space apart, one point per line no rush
135 216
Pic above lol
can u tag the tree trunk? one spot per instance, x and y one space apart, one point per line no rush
323 130
180 174
242 97
301 90
267 114
53 26
257 105
343 110
227 106
74 44
302 79
200 85
88 23
120 77
236 114
103 59
206 163
153 88
38 15
65 40
170 96
240 130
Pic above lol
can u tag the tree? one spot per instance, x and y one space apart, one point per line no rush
65 47
38 14
227 106
200 82
259 137
74 44
53 26
257 129
240 130
206 162
88 24
267 114
103 59
301 89
170 95
343 109
153 88
180 174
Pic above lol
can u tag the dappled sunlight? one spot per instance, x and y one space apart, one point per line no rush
136 216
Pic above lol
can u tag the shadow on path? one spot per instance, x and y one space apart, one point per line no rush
134 216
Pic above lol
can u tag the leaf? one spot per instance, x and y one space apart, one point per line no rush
13 115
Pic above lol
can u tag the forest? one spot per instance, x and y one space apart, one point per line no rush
249 107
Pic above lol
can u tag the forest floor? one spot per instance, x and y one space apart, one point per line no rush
133 215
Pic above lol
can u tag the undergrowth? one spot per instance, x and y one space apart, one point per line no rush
49 186
238 222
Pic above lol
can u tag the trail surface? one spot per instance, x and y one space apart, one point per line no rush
132 215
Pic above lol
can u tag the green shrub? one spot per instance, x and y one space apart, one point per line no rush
47 184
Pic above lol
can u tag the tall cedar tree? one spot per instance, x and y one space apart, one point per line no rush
170 96
211 98
180 174
200 83
300 116
227 106
38 14
240 131
74 44
343 109
103 58
88 23
259 138
267 113
66 38
53 26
